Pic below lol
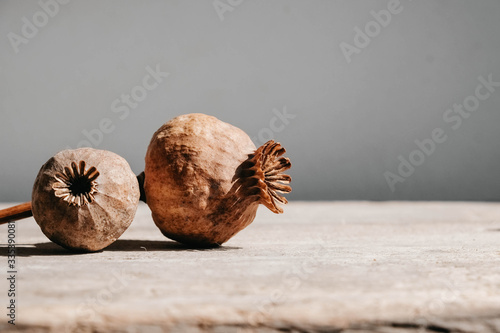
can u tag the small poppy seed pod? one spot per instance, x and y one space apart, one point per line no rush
204 179
85 199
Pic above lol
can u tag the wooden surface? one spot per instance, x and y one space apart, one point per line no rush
320 267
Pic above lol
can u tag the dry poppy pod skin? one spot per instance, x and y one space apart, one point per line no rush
204 179
84 199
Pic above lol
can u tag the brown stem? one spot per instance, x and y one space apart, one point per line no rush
15 213
140 179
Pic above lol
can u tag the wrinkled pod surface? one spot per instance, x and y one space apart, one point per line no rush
204 179
84 199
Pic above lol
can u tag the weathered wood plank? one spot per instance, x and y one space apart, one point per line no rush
343 266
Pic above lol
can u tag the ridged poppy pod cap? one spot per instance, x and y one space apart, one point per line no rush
84 199
204 179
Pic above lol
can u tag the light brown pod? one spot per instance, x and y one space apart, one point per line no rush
204 179
85 199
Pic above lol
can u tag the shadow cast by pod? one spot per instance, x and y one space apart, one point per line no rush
51 249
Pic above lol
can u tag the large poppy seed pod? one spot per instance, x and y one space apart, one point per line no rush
204 179
85 199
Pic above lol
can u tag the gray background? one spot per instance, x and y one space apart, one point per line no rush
352 120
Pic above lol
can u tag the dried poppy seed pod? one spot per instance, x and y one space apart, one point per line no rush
85 199
204 179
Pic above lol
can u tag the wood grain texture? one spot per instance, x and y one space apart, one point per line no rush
320 267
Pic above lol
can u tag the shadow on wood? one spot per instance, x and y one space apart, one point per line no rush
125 245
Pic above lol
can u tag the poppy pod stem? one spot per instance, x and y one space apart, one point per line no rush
15 213
140 179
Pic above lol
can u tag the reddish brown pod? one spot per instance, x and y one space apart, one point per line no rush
84 199
204 179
